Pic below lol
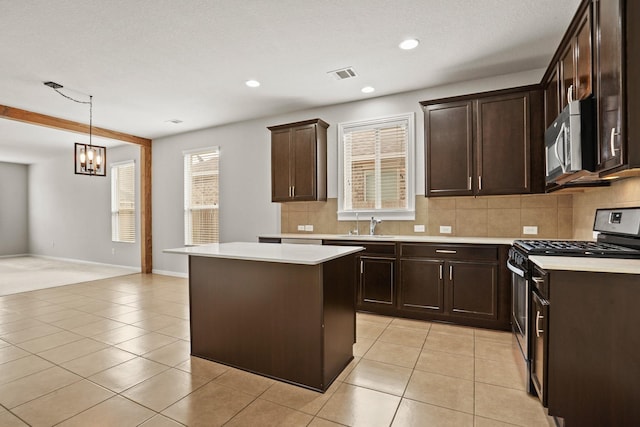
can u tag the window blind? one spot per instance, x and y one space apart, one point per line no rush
123 202
375 166
201 196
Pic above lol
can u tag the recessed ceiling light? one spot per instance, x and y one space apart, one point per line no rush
409 44
368 89
252 83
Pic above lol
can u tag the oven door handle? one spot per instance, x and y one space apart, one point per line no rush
514 269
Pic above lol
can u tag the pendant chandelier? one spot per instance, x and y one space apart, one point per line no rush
88 159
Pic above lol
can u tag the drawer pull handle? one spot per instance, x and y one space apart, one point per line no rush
445 251
613 141
538 330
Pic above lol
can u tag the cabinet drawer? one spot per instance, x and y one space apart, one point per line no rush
370 248
449 251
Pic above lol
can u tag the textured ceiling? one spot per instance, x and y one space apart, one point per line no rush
149 61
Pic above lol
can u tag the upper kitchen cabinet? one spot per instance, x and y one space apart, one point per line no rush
449 150
570 76
484 144
299 161
617 68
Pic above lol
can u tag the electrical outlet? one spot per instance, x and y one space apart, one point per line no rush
113 251
445 229
53 244
300 227
530 229
308 228
418 228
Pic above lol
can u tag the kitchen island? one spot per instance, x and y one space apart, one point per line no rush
283 311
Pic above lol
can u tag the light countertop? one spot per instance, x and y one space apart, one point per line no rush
596 265
269 252
398 238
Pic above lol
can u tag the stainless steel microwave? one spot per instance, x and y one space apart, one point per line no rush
570 141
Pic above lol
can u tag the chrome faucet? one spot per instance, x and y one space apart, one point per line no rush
372 225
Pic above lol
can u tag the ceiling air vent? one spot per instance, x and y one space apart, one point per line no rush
343 73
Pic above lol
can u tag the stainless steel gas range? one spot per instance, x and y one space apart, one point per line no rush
618 237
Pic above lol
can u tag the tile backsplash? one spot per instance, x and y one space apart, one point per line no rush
625 193
495 216
556 215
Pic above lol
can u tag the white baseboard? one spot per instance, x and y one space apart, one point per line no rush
82 261
170 273
13 256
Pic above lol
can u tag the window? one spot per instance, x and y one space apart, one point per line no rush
123 202
376 168
201 196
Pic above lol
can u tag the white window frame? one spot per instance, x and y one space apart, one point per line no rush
115 212
187 195
407 214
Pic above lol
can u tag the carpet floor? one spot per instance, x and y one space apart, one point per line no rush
28 273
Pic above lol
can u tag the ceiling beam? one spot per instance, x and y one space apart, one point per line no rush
145 160
30 117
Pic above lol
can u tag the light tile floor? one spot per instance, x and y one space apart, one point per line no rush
115 352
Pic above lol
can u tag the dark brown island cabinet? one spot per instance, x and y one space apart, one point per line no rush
282 311
299 161
586 345
458 283
485 144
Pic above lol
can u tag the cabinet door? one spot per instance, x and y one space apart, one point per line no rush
303 169
582 46
538 328
551 100
609 87
376 282
421 285
280 166
503 144
472 289
567 73
449 152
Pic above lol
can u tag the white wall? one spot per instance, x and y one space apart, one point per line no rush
70 215
14 231
246 210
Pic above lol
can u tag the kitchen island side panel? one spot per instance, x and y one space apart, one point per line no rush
264 317
593 348
339 305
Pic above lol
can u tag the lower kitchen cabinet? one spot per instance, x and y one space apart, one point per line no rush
376 283
473 289
421 285
376 277
458 283
593 346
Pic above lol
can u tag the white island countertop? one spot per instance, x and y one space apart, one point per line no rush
590 264
269 252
